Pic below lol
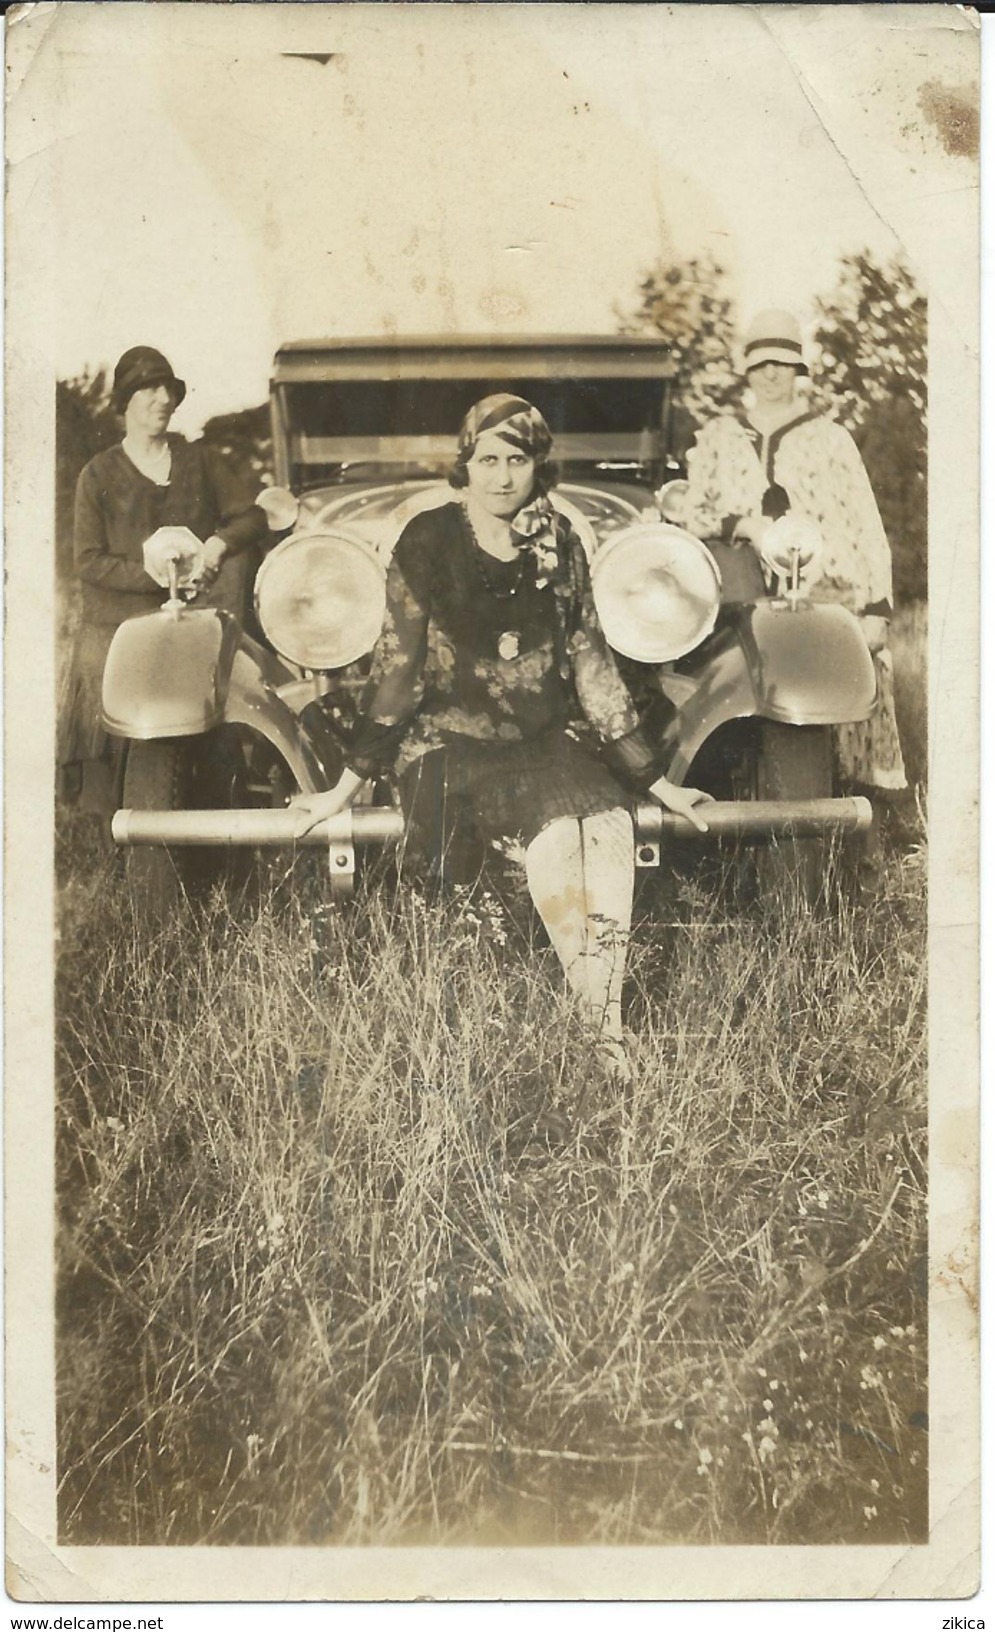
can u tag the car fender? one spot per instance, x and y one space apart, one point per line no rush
181 675
810 663
167 673
804 666
253 701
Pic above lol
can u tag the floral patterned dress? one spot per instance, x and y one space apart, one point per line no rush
817 464
493 692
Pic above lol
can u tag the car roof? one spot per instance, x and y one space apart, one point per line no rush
466 356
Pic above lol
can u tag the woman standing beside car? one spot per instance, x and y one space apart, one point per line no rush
779 456
149 480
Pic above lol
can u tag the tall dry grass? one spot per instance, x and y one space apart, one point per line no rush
325 1277
909 640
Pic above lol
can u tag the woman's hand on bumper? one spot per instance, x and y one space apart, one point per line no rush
312 808
681 801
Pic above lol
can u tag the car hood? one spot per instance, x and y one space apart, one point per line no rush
378 513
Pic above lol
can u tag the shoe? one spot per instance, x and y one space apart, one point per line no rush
613 1060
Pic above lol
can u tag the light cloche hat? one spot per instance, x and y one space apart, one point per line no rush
773 337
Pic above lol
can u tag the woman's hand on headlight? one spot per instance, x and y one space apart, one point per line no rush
749 530
213 552
312 808
875 631
681 801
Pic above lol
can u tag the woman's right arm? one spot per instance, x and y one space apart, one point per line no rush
706 508
96 563
396 685
395 689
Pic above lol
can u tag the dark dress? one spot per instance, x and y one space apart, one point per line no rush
117 508
494 695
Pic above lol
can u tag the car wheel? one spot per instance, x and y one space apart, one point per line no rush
793 762
157 776
224 770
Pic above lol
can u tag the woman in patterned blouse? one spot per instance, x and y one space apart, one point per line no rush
496 700
746 469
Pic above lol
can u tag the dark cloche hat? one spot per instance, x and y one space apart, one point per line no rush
141 366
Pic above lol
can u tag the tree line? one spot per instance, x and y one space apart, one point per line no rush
868 368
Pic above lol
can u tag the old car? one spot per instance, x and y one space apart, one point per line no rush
740 681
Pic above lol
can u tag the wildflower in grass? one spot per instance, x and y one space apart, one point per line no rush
253 1446
870 1513
272 1236
870 1377
678 1424
879 1343
766 1448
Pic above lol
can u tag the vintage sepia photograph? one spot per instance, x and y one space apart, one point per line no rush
492 517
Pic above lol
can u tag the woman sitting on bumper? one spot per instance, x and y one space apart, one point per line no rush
496 700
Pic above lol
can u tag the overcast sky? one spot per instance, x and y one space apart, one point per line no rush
463 168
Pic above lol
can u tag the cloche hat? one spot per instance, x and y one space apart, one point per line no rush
139 367
774 337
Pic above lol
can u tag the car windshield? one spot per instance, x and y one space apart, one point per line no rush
338 430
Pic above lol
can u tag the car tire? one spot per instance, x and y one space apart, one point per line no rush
213 772
793 762
157 776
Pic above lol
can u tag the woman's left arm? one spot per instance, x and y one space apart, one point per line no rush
239 523
862 519
605 700
601 691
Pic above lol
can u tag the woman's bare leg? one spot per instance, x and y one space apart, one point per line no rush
554 868
580 876
607 846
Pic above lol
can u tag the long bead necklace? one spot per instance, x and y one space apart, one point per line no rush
509 641
479 556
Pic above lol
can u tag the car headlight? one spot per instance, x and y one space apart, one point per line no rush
320 599
657 590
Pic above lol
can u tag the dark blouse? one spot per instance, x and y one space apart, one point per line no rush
118 508
488 651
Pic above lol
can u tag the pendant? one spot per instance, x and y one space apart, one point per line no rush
508 645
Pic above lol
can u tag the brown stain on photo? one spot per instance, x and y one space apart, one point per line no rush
956 116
